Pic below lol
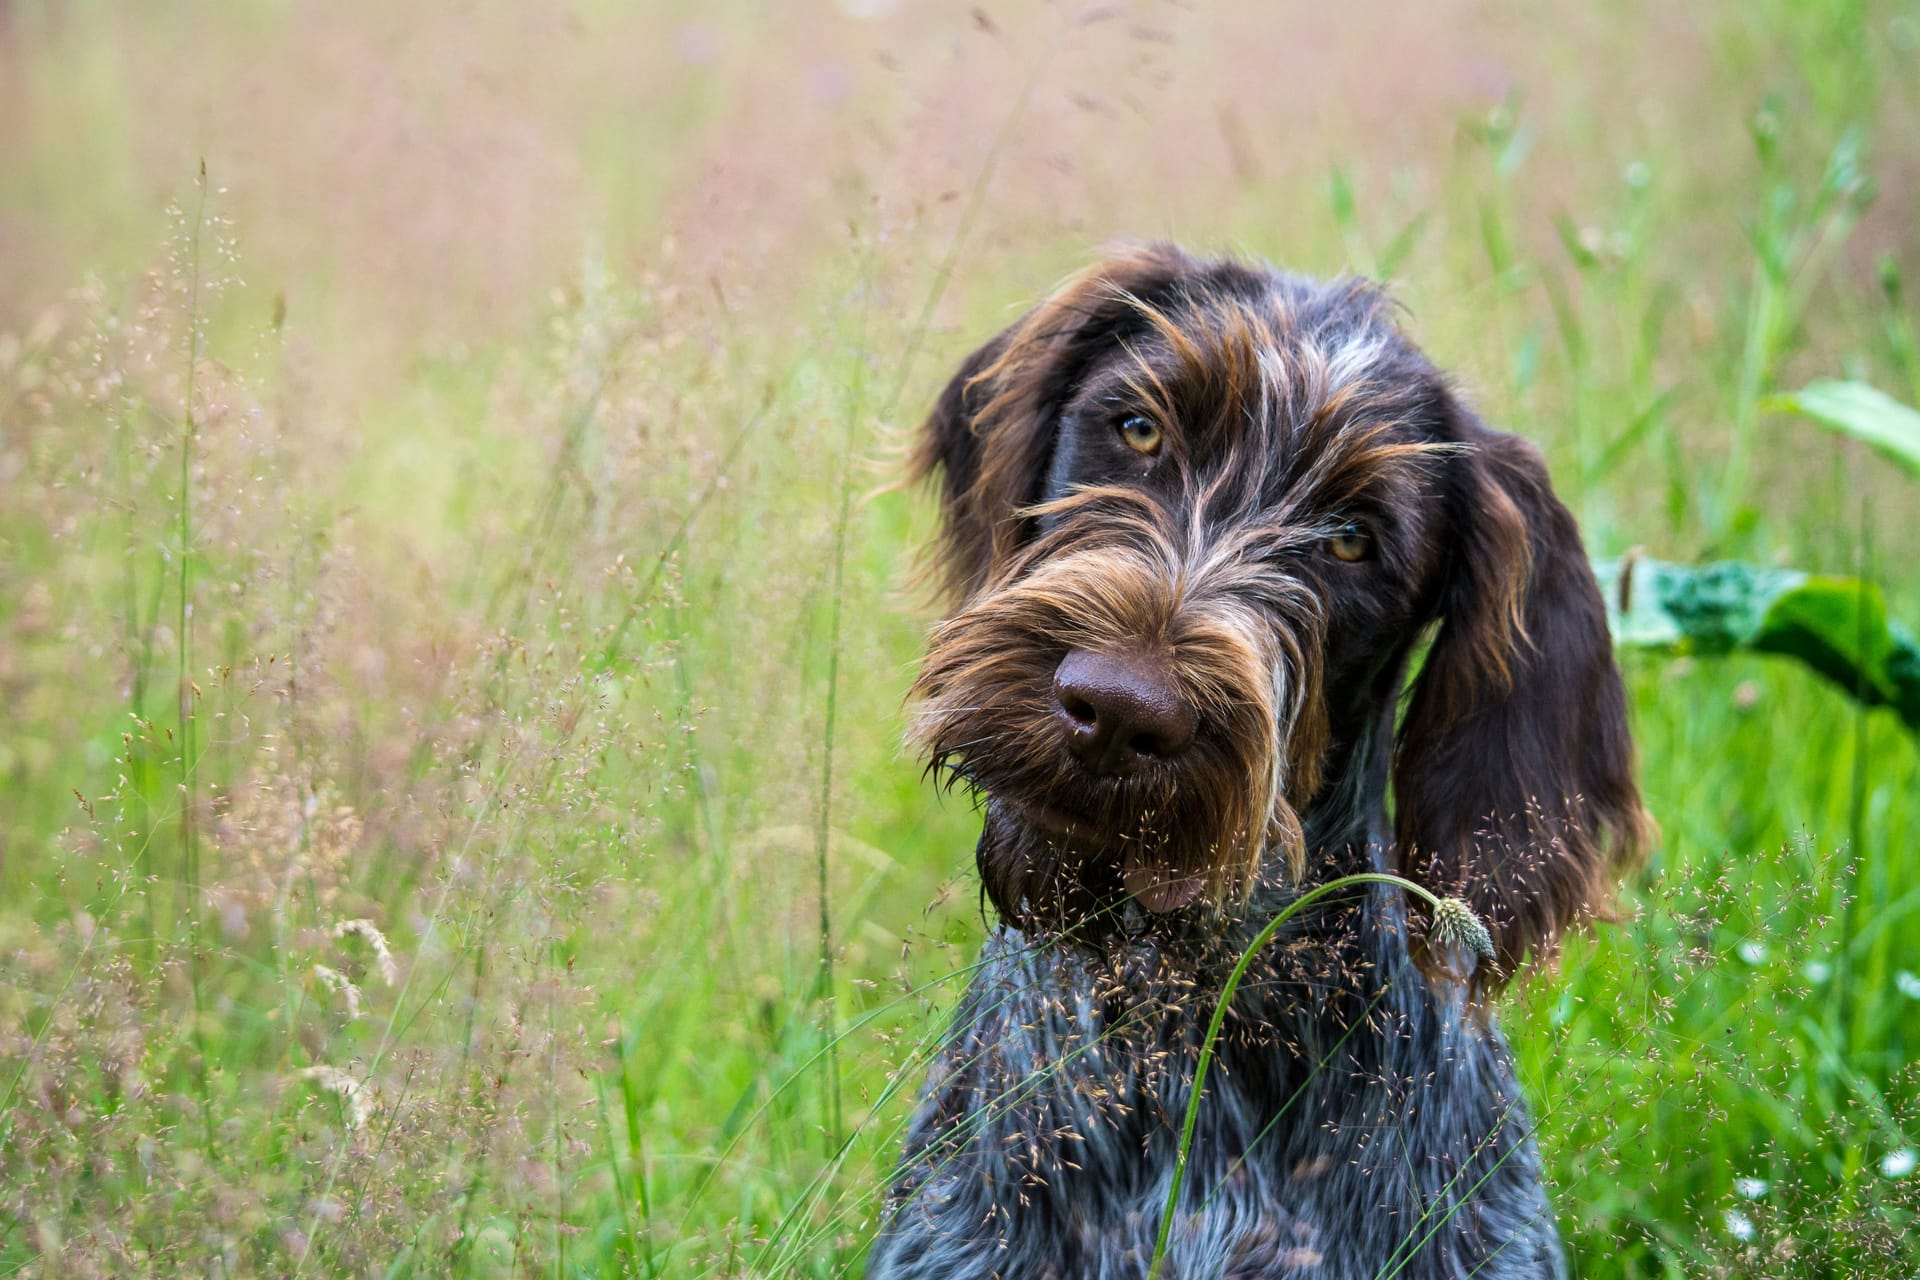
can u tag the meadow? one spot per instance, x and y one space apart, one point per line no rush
455 604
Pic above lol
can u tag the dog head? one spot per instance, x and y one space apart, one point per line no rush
1197 517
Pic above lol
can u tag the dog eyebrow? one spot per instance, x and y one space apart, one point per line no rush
1357 459
1158 400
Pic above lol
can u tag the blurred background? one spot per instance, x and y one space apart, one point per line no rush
453 618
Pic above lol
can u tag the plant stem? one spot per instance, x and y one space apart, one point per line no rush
1219 1016
856 404
189 829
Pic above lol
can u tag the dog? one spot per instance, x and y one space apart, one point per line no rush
1230 564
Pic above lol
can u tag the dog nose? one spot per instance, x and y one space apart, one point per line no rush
1119 710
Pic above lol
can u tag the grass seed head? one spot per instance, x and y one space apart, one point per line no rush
1456 925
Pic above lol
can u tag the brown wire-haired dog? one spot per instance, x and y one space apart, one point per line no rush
1198 517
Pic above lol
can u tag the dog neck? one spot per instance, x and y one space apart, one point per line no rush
1347 826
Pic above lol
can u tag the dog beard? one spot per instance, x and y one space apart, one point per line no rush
1170 833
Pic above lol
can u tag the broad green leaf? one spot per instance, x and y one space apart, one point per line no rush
1863 412
1837 626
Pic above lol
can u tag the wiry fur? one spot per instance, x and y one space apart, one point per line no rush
1363 1118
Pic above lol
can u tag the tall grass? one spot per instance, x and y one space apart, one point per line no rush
524 876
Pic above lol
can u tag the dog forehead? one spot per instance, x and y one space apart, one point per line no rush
1259 348
1291 392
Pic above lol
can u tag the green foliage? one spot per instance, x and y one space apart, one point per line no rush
459 827
1863 412
1837 626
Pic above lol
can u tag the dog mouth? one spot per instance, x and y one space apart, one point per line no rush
1076 838
1077 831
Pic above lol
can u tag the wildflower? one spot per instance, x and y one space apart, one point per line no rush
1898 1164
337 982
1908 983
370 933
343 1086
1753 952
1752 1188
1740 1226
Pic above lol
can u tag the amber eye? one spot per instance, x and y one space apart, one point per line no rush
1350 543
1142 435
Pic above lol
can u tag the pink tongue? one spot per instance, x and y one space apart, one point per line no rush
1156 889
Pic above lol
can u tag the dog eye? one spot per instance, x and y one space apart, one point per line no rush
1142 435
1350 543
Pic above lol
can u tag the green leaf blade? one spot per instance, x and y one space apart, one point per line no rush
1863 412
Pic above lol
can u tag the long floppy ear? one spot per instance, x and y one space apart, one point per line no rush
990 435
1513 778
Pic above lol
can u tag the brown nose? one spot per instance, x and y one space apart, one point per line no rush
1119 710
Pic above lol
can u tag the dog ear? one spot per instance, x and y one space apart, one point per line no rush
1514 766
990 435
